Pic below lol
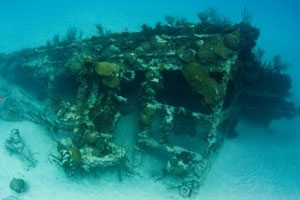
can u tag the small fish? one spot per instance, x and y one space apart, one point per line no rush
1 100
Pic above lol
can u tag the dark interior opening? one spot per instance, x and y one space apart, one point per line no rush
66 86
216 75
36 87
131 88
178 93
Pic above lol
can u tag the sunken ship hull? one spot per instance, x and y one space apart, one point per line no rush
186 85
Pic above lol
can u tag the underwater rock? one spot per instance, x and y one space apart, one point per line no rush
18 185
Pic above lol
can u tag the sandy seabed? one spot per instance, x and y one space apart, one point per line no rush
48 181
259 164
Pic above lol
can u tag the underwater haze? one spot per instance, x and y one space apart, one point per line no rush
137 95
32 23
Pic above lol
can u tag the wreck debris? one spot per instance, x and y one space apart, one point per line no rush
185 191
16 145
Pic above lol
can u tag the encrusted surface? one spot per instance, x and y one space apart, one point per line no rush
166 75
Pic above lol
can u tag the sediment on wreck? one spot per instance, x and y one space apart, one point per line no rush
185 85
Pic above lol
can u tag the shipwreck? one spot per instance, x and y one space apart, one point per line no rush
187 86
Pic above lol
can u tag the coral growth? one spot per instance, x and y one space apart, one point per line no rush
198 78
147 115
110 74
214 48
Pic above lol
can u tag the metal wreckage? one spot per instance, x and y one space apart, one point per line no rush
186 84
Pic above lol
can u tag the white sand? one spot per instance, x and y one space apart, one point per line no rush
48 181
258 164
255 165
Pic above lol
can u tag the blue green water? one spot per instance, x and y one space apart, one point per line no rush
274 166
31 23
